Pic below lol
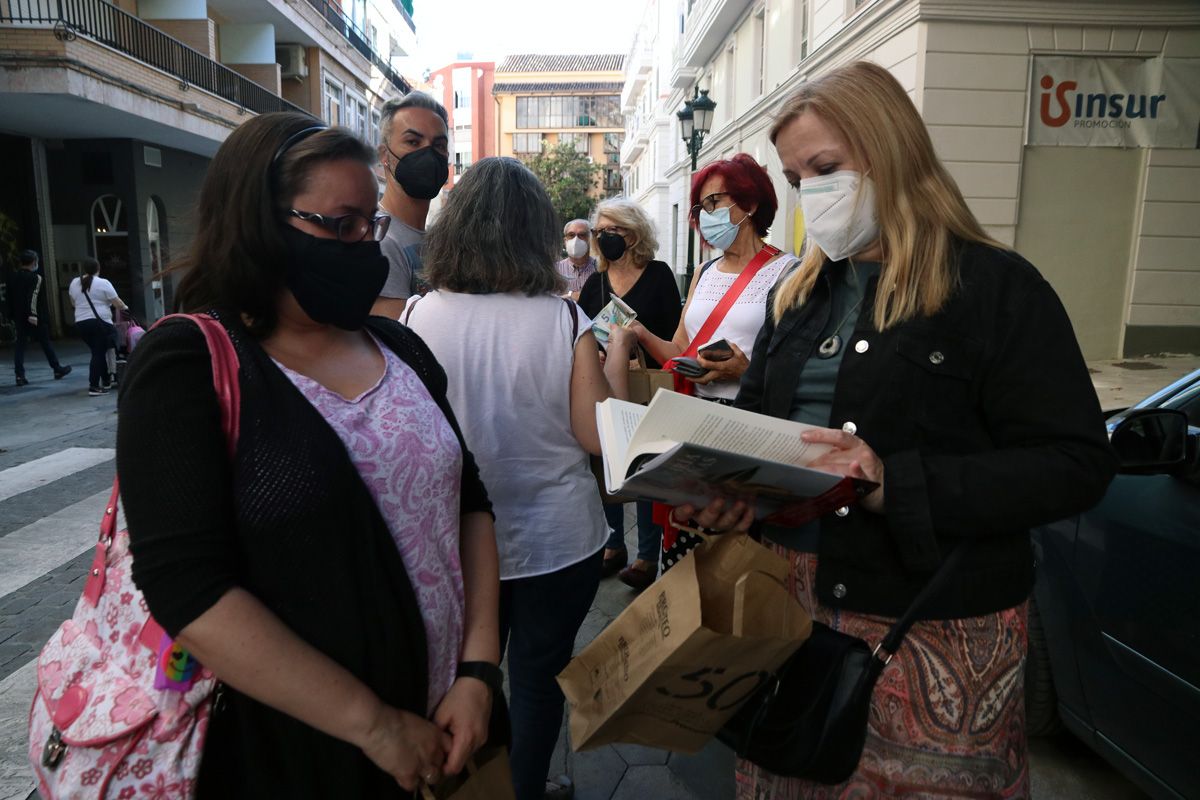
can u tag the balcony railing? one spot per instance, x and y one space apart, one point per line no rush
109 25
334 15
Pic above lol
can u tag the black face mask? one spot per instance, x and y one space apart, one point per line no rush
421 173
334 283
611 245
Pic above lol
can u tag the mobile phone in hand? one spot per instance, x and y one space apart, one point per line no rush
689 367
717 351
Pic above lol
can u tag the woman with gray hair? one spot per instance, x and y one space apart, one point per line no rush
524 379
624 237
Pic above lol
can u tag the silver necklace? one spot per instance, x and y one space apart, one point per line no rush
832 346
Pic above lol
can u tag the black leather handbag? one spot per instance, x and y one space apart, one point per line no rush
810 719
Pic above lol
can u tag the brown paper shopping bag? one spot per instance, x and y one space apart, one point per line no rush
684 656
645 383
487 777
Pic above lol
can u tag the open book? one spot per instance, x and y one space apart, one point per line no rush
682 449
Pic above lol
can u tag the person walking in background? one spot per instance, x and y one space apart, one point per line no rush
580 264
939 364
625 240
525 377
414 150
29 311
339 575
94 299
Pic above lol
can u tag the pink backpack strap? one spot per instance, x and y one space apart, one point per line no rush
229 397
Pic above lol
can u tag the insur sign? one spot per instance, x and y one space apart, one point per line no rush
1115 102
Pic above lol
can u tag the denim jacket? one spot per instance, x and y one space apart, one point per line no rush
985 419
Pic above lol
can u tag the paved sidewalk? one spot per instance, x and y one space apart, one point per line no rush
633 772
1122 383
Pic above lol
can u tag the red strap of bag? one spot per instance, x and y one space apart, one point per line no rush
717 315
225 382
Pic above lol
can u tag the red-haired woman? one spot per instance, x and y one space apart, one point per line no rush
733 206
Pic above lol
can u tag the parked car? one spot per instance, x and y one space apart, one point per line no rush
1115 619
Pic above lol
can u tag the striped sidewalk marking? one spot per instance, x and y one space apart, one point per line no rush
45 470
32 551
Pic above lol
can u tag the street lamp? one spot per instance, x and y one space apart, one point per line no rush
695 121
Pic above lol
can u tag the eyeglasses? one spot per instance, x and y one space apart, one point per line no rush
577 235
709 203
349 228
617 229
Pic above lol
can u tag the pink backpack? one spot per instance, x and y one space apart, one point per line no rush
120 712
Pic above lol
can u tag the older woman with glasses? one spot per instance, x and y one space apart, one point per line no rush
338 575
624 238
733 206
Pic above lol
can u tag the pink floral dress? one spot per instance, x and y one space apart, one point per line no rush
409 457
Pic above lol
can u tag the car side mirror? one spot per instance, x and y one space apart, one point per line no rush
1151 440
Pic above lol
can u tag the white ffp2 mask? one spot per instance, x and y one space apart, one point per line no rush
577 248
839 216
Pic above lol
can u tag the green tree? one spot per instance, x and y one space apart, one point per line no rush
569 177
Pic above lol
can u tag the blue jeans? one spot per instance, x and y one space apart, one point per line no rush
539 619
649 534
39 333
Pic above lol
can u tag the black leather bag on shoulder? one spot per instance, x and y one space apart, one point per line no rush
810 719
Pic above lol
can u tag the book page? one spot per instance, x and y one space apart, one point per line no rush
675 418
616 421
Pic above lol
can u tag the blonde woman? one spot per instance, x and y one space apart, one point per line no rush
941 365
625 243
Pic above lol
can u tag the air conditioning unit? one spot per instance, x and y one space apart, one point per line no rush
293 60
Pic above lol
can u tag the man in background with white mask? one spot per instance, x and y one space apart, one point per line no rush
414 150
579 263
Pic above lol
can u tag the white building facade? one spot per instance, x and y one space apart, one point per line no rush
1111 219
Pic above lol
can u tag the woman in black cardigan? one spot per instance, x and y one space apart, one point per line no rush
941 365
279 570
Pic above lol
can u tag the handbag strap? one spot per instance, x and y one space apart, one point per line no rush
88 297
895 637
574 321
225 382
717 315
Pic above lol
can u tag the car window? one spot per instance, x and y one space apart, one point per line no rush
1189 403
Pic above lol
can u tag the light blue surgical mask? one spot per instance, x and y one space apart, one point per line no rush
716 228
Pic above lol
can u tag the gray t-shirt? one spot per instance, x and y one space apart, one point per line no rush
402 246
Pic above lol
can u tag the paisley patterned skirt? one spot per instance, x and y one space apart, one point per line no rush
947 717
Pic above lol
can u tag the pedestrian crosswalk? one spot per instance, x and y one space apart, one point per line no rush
31 475
28 554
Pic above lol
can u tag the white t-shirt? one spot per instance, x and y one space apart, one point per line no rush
508 358
102 294
744 320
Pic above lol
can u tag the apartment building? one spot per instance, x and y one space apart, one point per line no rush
543 100
465 89
110 112
1103 197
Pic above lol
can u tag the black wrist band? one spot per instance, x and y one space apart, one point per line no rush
485 671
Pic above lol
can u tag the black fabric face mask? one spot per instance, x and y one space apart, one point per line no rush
611 245
421 173
334 283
